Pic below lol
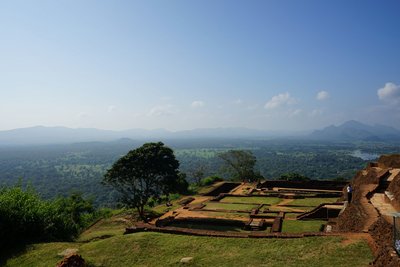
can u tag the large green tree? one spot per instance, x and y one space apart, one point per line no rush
294 176
198 173
240 164
145 173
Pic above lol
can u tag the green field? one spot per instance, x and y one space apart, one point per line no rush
227 215
291 215
291 226
284 208
252 200
103 229
162 208
312 202
156 249
205 226
229 206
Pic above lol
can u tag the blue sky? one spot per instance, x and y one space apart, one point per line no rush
274 65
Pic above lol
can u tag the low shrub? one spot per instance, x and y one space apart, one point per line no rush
26 218
210 180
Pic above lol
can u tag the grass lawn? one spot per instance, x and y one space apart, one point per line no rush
227 215
291 215
312 202
156 249
253 200
283 208
104 228
229 206
162 208
206 189
211 227
290 226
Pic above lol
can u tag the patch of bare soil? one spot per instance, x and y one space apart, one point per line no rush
394 188
389 161
351 238
243 189
382 232
361 215
72 260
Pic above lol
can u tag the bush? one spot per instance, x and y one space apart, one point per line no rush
26 218
292 176
210 180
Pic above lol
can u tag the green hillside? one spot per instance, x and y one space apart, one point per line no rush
105 245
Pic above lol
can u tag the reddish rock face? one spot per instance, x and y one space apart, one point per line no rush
389 161
73 260
361 215
382 233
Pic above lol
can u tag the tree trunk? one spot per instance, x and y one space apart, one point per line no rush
142 213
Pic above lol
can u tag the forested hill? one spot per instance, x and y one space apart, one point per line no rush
40 135
355 131
60 169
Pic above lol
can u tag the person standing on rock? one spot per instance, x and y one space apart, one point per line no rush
349 193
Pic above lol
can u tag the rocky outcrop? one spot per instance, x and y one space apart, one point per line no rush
394 189
72 260
389 161
361 215
382 233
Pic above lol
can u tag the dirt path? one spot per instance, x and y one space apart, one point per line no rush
384 208
242 189
372 214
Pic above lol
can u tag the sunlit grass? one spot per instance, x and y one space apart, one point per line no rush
252 200
227 215
206 226
104 229
291 215
156 249
294 226
163 208
312 202
229 206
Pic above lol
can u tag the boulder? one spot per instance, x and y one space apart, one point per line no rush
72 260
186 260
68 252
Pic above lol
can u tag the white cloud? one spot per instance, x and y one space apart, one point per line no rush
280 100
390 93
322 95
163 110
111 108
197 104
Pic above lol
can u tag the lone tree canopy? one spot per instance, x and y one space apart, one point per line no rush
240 163
149 171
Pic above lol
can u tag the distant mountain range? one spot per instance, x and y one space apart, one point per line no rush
357 131
40 135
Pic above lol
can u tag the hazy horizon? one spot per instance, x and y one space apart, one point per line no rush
191 129
182 65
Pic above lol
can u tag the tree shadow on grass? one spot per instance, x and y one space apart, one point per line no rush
11 251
